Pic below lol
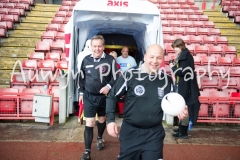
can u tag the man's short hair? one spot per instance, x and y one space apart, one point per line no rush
98 37
179 43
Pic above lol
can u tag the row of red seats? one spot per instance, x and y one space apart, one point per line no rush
189 2
10 18
12 11
60 20
29 2
55 27
49 55
54 35
66 8
69 3
232 8
179 17
185 23
24 105
187 31
181 11
24 6
201 50
200 39
48 45
63 14
178 6
210 108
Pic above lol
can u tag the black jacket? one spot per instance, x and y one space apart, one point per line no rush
187 84
90 79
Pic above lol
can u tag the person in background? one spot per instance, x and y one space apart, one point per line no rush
126 61
114 54
141 133
93 88
183 68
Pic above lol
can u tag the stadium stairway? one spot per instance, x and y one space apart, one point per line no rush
22 40
227 27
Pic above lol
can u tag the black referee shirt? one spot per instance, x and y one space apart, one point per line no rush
90 78
143 96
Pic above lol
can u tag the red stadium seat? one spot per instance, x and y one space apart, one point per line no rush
197 60
215 51
208 24
62 64
9 5
165 6
173 23
63 57
48 35
170 17
188 12
14 1
30 2
29 64
184 38
186 23
182 17
178 11
166 11
66 3
236 61
214 32
61 27
208 40
171 2
178 30
174 6
3 25
208 84
184 6
58 46
195 39
198 12
46 65
57 20
164 23
22 6
230 51
169 49
66 19
202 31
64 8
203 17
209 60
190 31
167 30
61 14
168 39
36 56
69 14
201 51
42 46
8 105
193 17
194 7
222 41
198 24
52 27
3 11
19 81
53 56
60 36
224 61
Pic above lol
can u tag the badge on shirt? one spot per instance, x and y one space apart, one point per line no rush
160 93
139 90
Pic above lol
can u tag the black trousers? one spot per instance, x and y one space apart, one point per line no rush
137 143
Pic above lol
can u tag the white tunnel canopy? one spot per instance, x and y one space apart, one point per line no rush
139 18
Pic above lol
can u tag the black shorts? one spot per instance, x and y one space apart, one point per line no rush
94 104
145 143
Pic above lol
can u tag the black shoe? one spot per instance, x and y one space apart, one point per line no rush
176 130
182 133
120 116
86 156
100 144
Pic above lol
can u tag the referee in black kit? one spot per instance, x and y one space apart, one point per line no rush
141 133
97 76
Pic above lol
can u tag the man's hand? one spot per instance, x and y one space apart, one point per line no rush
183 114
171 65
80 99
104 90
112 129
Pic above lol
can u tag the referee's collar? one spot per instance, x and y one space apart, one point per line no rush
98 59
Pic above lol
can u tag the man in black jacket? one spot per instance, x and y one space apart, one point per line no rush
141 133
97 76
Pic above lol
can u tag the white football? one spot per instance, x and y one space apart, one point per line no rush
173 103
